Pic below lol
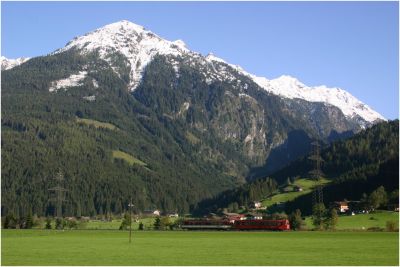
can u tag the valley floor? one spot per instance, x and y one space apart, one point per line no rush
102 247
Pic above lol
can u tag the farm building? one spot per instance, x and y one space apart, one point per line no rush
297 189
341 206
234 216
152 212
255 205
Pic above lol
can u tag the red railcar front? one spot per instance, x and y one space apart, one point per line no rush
274 225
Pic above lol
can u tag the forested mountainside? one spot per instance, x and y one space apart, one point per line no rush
123 113
354 166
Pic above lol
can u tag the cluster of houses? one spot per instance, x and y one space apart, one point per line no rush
157 212
354 207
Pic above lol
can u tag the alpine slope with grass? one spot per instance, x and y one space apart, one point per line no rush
123 112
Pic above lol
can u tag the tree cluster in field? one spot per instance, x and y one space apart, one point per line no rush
323 218
379 198
160 223
29 222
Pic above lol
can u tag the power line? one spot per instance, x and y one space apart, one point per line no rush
316 173
58 193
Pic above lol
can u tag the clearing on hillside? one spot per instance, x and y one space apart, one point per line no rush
97 124
289 192
117 154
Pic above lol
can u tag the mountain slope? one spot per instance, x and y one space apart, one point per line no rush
354 166
197 125
139 46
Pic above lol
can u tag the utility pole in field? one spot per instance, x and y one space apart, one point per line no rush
130 205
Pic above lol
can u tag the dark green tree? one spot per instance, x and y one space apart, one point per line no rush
331 220
157 224
59 223
72 224
378 198
29 221
48 223
10 222
295 220
141 226
126 221
165 223
318 215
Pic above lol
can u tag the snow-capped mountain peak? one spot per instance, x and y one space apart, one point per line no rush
139 46
351 107
212 57
8 63
289 87
133 41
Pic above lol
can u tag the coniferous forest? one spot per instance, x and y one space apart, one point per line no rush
171 144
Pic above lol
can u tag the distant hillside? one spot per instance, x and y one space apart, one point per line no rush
354 166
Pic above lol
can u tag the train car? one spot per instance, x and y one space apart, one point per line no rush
272 225
206 224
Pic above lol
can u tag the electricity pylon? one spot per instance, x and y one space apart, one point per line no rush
58 194
316 173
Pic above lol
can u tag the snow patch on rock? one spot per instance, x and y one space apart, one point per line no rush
8 63
71 81
90 98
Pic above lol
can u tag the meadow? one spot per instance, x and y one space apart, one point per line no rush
306 184
103 247
360 222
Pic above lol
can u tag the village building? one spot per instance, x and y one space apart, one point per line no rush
173 215
152 212
297 189
232 217
256 205
341 206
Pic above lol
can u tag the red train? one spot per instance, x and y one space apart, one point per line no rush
205 224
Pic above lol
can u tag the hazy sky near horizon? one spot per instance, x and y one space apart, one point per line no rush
351 45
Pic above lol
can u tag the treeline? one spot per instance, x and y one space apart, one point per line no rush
238 198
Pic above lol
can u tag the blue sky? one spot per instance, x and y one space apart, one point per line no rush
351 45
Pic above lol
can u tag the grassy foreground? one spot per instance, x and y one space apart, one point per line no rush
377 219
85 247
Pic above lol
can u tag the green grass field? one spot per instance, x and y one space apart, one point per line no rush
90 247
363 221
306 184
